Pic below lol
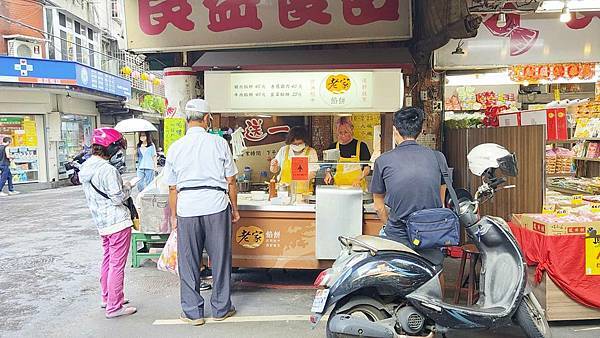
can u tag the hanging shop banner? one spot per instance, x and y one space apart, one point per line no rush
185 24
174 130
526 39
308 90
170 25
552 72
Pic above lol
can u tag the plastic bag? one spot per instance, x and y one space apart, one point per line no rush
168 258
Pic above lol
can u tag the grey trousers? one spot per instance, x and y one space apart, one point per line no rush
194 234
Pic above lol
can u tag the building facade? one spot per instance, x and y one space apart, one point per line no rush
51 113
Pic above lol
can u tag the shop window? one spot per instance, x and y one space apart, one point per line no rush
64 55
24 148
92 56
78 51
76 134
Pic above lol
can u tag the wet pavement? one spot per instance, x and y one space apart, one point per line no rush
49 261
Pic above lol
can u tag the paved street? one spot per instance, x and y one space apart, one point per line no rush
49 261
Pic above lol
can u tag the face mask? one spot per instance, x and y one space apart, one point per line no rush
298 147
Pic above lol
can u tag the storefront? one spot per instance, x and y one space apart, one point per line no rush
538 96
298 231
49 108
27 148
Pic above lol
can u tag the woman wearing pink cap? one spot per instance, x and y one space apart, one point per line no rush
105 194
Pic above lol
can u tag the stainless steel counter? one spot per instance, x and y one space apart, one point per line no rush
245 204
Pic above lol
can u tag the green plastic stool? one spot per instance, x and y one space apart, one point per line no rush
138 256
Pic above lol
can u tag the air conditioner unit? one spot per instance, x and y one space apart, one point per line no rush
24 49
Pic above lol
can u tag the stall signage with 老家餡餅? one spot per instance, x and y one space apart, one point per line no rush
310 90
174 130
211 24
250 237
64 73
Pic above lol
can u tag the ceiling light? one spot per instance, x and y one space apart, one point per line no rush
459 50
574 5
501 20
565 14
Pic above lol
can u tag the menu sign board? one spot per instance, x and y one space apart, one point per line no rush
174 130
309 90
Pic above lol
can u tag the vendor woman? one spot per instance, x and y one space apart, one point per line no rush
351 151
296 145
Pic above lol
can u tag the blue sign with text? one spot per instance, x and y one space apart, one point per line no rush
53 72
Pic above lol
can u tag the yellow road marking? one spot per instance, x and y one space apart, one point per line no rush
241 319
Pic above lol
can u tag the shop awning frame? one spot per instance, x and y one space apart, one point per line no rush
271 60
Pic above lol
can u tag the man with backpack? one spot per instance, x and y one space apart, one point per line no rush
5 174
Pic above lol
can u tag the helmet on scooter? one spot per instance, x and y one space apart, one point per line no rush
492 156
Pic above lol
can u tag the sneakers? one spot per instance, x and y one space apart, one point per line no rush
124 311
11 193
194 322
103 304
3 194
205 286
227 315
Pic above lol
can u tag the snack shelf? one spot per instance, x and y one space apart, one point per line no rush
586 159
561 175
569 191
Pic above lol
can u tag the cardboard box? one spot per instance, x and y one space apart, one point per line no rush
551 229
555 120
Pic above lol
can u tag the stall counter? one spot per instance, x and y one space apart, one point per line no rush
283 236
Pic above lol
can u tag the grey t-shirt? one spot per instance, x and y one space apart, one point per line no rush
410 178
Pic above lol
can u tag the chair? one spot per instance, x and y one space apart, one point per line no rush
471 254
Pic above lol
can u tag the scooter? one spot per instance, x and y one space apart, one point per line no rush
73 166
382 288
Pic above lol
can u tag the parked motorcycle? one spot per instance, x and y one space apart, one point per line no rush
73 166
382 288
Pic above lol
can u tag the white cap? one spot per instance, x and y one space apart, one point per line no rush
196 108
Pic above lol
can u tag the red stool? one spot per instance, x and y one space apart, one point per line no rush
470 253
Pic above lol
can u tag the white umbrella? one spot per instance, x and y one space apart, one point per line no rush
134 125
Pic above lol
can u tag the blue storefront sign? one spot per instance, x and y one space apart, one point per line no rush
53 72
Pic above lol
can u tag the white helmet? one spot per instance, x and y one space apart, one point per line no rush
491 155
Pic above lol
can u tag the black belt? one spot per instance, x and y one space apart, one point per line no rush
202 187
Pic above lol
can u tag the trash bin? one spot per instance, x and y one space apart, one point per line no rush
155 213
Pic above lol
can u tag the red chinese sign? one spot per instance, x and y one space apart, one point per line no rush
307 20
253 131
300 168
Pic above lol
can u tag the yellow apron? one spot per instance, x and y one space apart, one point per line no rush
302 187
347 174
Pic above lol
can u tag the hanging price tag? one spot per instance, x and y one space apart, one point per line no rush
560 213
577 199
548 209
595 207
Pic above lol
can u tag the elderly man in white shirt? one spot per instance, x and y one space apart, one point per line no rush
201 174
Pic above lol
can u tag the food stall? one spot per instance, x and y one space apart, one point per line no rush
529 83
293 230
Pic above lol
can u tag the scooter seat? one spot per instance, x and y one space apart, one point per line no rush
380 244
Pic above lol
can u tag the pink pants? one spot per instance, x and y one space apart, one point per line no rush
116 249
